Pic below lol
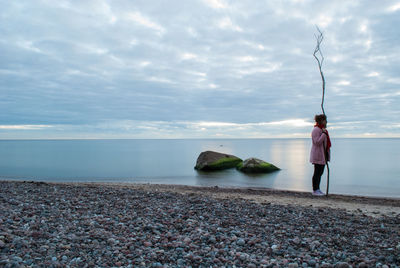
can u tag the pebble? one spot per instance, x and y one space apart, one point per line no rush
240 242
147 244
312 263
362 265
342 265
17 259
73 225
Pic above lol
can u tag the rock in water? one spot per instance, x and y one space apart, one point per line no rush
210 160
254 165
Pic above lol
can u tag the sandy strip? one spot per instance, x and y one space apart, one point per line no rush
375 207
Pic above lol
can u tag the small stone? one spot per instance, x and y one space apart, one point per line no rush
240 242
18 259
111 240
293 265
381 258
147 244
390 259
54 259
362 265
342 265
213 239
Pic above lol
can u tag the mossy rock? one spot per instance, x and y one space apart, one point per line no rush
212 161
254 165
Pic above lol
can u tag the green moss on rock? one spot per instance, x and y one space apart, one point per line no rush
211 161
254 165
225 163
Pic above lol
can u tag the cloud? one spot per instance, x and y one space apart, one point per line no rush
23 127
28 45
216 4
271 67
188 56
343 83
373 74
145 21
394 8
227 24
153 69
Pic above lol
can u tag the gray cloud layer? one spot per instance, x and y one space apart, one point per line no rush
171 69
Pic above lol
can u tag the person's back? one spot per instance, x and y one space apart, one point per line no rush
317 155
320 151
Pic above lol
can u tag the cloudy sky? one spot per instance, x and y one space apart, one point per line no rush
197 68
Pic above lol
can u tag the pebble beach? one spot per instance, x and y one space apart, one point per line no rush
114 225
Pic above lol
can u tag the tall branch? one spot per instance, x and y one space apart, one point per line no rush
320 59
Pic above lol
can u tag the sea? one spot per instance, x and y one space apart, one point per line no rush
362 167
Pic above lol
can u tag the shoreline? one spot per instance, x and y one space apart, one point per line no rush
371 206
123 182
146 225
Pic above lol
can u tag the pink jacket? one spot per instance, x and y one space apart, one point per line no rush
319 140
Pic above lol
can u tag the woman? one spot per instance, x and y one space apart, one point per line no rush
320 151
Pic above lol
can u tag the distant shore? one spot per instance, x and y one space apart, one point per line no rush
142 225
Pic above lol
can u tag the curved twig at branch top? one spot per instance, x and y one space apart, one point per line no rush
320 60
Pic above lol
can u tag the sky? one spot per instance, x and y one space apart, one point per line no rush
197 69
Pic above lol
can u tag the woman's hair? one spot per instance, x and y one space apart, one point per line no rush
319 118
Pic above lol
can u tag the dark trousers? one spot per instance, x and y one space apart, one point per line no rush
316 179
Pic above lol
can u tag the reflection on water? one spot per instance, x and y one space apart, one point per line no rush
297 162
292 158
277 150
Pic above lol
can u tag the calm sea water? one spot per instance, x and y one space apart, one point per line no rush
359 166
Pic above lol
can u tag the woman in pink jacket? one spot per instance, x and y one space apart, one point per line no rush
320 151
